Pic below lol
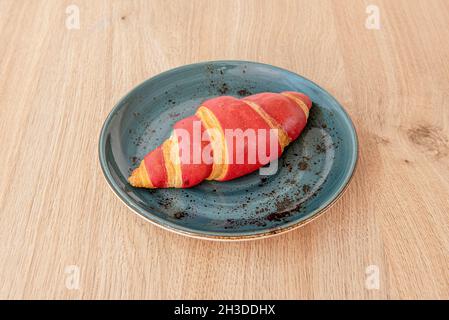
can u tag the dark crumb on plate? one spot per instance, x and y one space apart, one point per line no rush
303 165
321 147
263 181
232 223
174 115
166 203
223 89
210 69
277 216
180 215
306 188
282 205
284 208
244 92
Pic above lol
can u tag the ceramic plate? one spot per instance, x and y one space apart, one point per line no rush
313 170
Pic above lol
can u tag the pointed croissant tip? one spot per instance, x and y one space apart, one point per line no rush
302 96
306 99
139 177
135 179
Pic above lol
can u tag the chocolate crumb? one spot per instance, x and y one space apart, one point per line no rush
223 89
282 205
303 165
244 92
174 115
321 147
180 215
277 216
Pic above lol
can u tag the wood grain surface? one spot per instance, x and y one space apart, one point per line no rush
58 84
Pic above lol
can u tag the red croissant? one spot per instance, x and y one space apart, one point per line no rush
206 146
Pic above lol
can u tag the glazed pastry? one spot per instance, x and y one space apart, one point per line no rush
206 146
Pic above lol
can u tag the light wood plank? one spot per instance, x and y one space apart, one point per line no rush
58 85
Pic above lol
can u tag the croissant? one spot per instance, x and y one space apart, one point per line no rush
225 139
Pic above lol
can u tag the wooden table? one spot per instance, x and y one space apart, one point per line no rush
63 233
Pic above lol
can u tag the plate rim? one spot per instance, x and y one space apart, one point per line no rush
217 235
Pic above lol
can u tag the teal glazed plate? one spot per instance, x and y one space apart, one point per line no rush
313 171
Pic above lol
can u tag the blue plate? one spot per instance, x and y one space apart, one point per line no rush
313 170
